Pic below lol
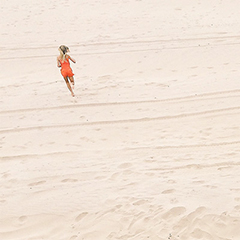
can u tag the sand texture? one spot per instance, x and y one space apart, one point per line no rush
149 147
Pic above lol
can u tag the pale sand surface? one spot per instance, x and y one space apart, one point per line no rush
148 148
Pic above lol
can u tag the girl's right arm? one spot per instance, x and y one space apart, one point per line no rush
58 62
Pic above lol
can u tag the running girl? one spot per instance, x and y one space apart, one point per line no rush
66 71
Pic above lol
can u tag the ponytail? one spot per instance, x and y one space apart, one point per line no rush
63 50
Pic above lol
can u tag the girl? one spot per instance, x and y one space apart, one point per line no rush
66 71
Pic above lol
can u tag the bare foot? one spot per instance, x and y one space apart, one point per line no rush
73 94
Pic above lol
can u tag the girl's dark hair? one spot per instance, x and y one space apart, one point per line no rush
64 49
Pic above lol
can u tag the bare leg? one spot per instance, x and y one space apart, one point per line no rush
69 86
72 81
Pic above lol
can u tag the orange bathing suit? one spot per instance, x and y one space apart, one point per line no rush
66 70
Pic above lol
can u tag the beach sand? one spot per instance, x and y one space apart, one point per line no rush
149 146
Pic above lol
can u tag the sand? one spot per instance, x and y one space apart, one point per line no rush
149 146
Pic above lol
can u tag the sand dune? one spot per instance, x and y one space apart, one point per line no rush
149 146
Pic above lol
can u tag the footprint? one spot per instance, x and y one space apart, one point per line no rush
237 207
174 201
115 175
73 237
210 186
13 180
118 206
150 174
105 77
198 182
125 165
139 202
37 183
235 189
168 191
193 215
81 216
100 177
22 218
69 180
223 168
6 175
174 212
